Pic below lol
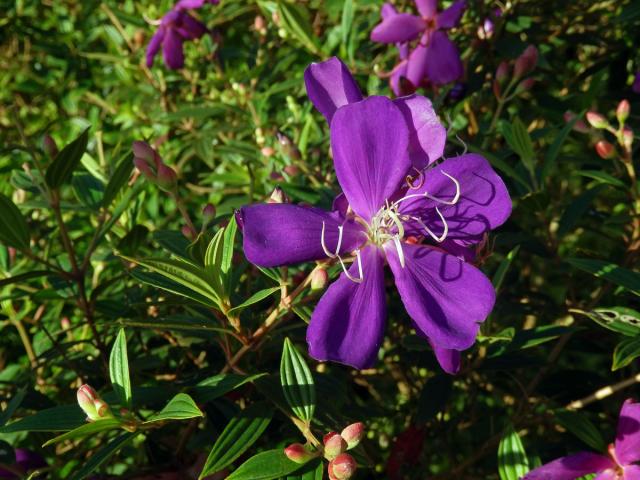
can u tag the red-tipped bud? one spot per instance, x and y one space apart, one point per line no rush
278 196
319 279
167 179
144 151
627 138
65 323
622 112
525 85
291 170
188 232
288 148
596 120
353 434
334 445
297 452
144 168
208 213
92 404
605 149
526 62
502 72
497 91
49 146
342 467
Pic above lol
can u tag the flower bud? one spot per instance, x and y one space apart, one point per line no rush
144 168
622 112
525 85
291 170
342 467
49 146
296 452
579 126
288 148
604 149
502 72
627 138
65 324
278 196
92 404
526 62
334 445
188 232
143 150
596 120
167 179
208 213
267 151
319 279
352 434
497 91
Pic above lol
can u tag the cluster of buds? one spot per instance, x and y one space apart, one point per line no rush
623 134
91 404
342 465
147 160
504 82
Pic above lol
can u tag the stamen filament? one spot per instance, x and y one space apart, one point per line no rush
346 272
396 240
437 238
324 247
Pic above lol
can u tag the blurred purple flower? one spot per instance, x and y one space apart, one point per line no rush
193 4
636 83
376 219
435 57
26 460
619 465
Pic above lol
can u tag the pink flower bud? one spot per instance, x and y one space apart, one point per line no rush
627 138
144 168
526 62
92 404
342 467
291 170
502 72
352 434
579 126
334 445
65 323
622 112
49 146
167 179
525 85
497 91
208 213
278 196
319 279
296 452
267 151
596 120
188 232
143 150
102 408
604 149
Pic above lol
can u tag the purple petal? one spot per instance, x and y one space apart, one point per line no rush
427 8
571 467
427 135
194 4
631 472
282 234
396 79
154 46
483 204
417 65
369 140
388 10
451 16
347 325
330 86
172 50
448 359
446 297
444 64
609 474
401 27
627 444
463 252
191 28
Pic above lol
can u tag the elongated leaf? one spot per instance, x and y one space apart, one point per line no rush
119 369
56 419
13 226
314 470
610 272
103 455
24 276
62 167
619 319
498 277
518 138
297 382
626 352
13 405
295 20
265 466
255 298
118 179
213 261
218 385
602 177
85 430
227 245
579 425
180 407
347 20
576 210
88 189
160 281
239 434
512 459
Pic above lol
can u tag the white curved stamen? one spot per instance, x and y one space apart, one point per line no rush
396 240
324 247
456 196
409 179
346 272
437 238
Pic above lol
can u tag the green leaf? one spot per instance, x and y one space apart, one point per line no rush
13 226
619 319
218 385
347 20
103 455
579 425
13 405
314 470
160 281
498 277
180 407
118 179
227 245
626 351
297 382
576 210
56 419
87 429
119 369
88 189
265 466
60 170
25 276
602 177
518 138
609 271
255 298
294 18
239 434
512 459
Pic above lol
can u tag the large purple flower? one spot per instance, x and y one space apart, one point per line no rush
619 465
377 219
435 58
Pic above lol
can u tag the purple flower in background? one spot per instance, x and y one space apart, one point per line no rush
376 144
435 57
619 465
26 461
636 83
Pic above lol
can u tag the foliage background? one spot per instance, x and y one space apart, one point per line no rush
66 66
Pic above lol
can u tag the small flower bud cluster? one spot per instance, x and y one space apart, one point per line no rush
92 404
623 134
342 465
503 82
147 160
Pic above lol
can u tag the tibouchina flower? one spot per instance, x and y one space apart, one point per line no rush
619 465
459 198
435 58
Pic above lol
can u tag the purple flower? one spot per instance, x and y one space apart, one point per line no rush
175 28
619 465
26 460
193 4
378 218
435 57
636 83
